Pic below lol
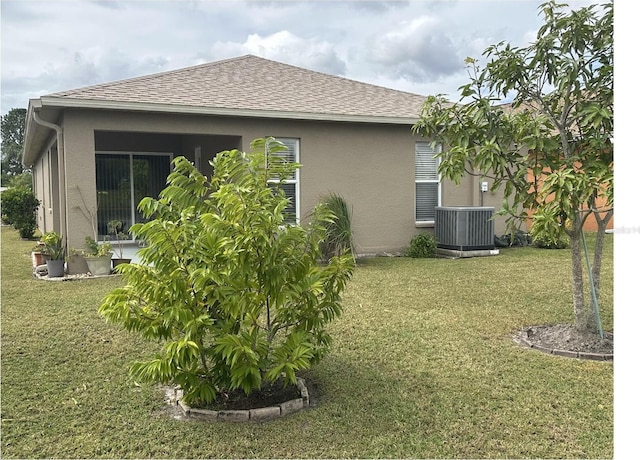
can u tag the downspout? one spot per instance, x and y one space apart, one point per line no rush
62 185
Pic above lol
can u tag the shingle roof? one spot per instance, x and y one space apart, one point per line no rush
252 83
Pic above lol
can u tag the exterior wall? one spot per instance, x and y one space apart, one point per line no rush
468 193
372 167
45 176
80 178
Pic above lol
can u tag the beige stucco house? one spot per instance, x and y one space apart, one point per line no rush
96 151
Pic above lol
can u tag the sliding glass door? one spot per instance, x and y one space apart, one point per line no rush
122 180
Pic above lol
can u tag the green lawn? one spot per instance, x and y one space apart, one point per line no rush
423 365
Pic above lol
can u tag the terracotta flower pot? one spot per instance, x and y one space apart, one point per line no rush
39 258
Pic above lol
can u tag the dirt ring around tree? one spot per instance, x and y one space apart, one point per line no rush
563 340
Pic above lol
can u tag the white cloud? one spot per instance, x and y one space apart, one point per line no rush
284 46
414 50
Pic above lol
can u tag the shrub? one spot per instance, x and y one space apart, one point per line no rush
234 292
339 237
551 242
422 245
19 207
547 233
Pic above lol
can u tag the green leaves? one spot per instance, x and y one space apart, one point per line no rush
235 293
550 149
561 117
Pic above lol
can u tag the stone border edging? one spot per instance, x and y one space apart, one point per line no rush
67 277
261 414
565 353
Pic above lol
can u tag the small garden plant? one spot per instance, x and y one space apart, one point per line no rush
339 236
114 227
95 249
422 245
234 292
53 245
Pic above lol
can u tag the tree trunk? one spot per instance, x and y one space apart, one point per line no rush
599 247
584 320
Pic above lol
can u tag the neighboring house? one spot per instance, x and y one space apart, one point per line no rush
96 151
590 224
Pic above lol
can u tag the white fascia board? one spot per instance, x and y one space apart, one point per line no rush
186 109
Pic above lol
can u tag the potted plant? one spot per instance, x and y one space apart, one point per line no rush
39 255
114 228
76 264
98 256
55 249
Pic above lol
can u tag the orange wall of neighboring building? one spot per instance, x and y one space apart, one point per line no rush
590 225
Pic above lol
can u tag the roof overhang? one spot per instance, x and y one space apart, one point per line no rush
50 101
49 109
37 136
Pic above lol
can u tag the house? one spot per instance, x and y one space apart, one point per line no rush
96 151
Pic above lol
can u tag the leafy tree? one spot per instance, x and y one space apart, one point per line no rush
19 207
12 125
558 130
23 180
234 292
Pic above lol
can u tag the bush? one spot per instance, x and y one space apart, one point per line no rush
547 233
551 242
19 207
422 245
234 292
339 237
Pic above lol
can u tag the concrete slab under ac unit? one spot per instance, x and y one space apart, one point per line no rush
456 254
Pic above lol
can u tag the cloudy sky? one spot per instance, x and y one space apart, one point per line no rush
415 46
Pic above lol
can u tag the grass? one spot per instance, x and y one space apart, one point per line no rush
422 366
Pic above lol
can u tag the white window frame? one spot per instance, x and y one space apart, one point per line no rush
132 185
435 180
295 180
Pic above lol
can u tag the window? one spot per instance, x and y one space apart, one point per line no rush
122 180
427 183
290 185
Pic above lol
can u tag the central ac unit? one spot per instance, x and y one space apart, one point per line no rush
465 228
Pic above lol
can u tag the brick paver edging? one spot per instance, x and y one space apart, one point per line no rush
565 353
257 415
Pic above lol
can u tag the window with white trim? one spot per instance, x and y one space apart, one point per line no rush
427 182
291 185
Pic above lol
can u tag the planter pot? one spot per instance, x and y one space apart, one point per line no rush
55 268
119 261
76 265
99 265
39 258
